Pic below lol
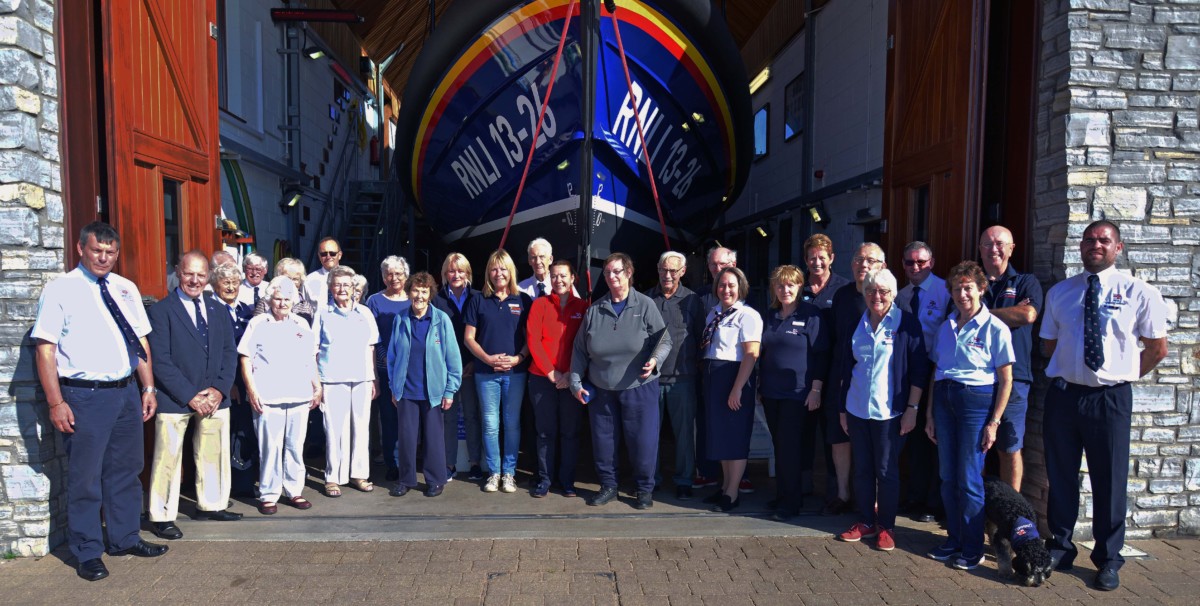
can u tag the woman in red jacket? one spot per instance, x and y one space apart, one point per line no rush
553 321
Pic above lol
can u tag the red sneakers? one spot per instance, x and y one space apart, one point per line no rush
703 482
885 541
858 532
745 487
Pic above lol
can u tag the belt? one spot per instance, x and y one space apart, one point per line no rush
89 384
1064 384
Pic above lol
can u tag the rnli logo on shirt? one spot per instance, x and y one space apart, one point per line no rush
514 309
299 335
977 343
889 335
1010 293
126 295
1115 301
792 331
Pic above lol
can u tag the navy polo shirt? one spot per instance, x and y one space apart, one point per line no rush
795 352
824 299
499 323
414 380
1008 291
848 308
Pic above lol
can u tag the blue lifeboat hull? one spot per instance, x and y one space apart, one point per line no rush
470 112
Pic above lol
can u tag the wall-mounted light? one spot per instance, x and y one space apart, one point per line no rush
816 212
761 232
314 52
291 197
760 79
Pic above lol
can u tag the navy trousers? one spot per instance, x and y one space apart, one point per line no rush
876 446
388 423
787 420
418 416
557 417
104 458
634 413
1095 421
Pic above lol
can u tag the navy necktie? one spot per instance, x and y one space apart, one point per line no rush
201 325
914 304
132 344
1093 348
541 289
255 295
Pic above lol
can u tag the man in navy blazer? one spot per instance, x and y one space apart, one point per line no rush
195 364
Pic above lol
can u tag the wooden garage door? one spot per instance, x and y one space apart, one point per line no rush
160 65
931 132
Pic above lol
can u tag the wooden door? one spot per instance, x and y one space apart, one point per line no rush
160 78
932 127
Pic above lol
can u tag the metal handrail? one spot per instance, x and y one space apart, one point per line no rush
339 192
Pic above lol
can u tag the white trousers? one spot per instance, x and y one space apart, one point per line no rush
347 408
281 429
210 450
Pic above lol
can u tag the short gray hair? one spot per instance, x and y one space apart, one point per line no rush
284 286
360 282
221 257
540 242
874 246
341 271
393 261
224 272
254 260
918 245
671 254
880 279
287 265
728 251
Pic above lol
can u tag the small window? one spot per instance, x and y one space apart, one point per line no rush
793 108
171 227
760 132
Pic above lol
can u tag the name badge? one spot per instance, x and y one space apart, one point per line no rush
797 323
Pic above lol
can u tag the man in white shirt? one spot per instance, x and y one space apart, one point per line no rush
925 297
253 288
541 256
1091 327
90 337
316 285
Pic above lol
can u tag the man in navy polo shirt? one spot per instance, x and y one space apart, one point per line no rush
1015 299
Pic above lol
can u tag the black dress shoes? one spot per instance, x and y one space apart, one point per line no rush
217 516
644 500
726 504
141 549
166 530
433 491
91 570
1062 562
606 494
1107 579
398 490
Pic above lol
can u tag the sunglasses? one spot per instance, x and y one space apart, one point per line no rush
329 253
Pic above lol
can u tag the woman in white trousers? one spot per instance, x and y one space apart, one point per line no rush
278 353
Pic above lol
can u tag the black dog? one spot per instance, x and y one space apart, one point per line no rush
1012 526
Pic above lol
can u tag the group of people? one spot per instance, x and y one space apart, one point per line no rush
940 368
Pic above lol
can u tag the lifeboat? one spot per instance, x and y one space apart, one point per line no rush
545 98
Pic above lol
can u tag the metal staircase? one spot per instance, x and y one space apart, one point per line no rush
373 228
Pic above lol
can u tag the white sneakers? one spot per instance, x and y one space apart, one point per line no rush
492 484
508 483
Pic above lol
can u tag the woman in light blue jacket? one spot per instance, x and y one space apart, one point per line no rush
425 369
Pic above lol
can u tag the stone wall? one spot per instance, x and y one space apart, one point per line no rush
31 252
1117 138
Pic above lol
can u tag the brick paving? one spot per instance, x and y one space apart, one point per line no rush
508 572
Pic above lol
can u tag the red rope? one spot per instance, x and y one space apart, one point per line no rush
541 115
641 135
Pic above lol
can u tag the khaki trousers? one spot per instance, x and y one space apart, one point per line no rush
210 446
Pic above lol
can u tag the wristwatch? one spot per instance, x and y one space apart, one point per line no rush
150 389
994 422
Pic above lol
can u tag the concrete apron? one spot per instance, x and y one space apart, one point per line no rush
464 511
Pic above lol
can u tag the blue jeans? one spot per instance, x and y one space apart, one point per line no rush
959 414
500 397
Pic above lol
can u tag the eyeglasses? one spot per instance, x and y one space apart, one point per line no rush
329 253
878 292
916 262
670 272
866 260
990 245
